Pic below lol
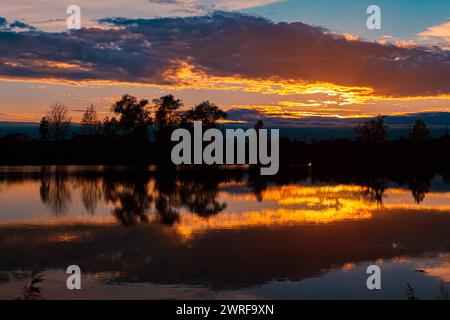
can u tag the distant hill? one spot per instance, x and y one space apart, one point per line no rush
30 129
311 128
324 128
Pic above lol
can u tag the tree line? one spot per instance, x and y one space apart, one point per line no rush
376 131
132 117
124 139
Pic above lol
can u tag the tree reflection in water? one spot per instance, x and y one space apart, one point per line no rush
135 193
54 189
165 198
257 183
91 194
139 195
374 190
130 196
419 186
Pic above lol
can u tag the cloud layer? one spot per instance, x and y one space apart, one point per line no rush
439 34
233 45
208 5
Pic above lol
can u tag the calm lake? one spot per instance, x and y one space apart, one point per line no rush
138 233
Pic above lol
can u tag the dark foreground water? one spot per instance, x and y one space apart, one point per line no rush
140 233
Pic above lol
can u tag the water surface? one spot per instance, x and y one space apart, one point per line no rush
146 234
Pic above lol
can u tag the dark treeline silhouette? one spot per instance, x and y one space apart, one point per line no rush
121 139
371 151
125 139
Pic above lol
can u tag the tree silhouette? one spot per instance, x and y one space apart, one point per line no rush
165 111
58 121
259 125
207 112
419 132
90 125
134 116
166 119
44 130
109 127
373 130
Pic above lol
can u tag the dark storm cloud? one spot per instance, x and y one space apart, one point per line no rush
224 44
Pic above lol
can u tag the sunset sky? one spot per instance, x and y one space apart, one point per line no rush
262 58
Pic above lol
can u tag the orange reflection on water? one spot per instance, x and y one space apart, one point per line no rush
349 198
439 267
191 224
286 205
294 205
